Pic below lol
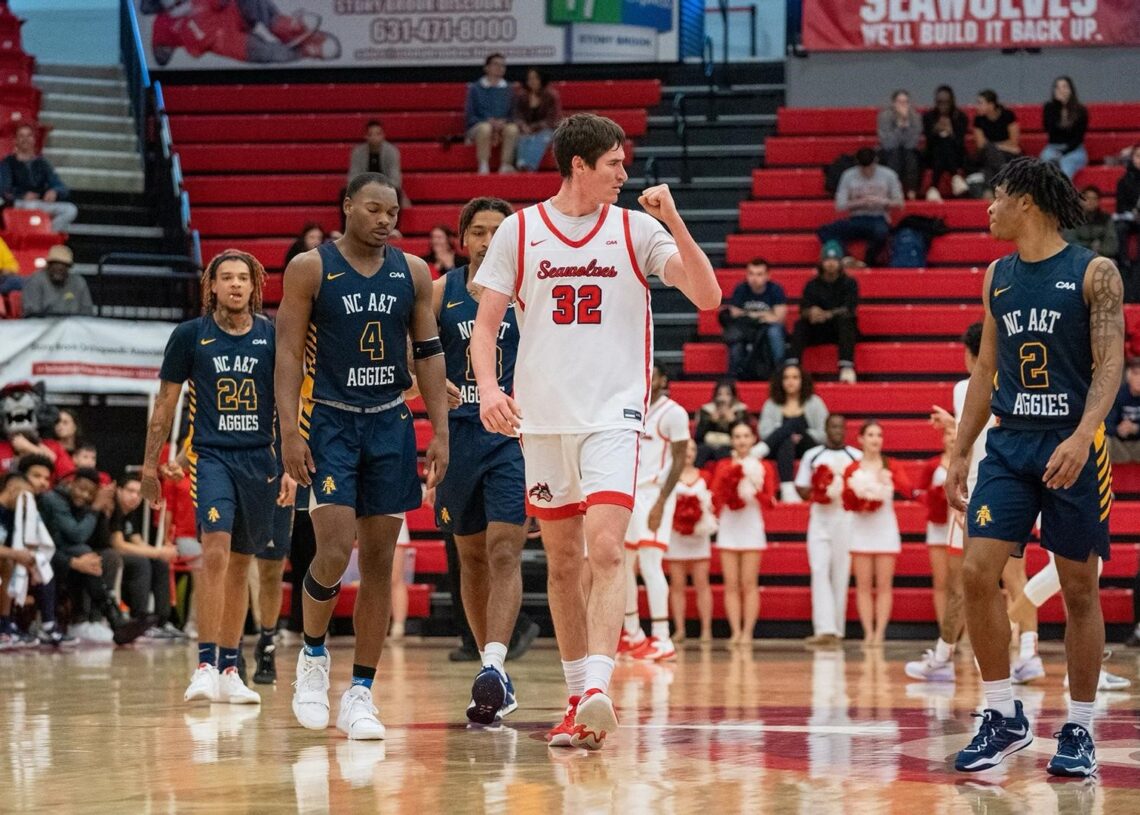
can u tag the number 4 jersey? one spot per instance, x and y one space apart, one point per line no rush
581 291
1044 360
231 381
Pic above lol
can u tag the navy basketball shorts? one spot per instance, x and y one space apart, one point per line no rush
366 461
1010 494
278 546
235 491
485 481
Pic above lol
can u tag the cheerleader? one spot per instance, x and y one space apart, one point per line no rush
933 495
694 521
741 485
868 493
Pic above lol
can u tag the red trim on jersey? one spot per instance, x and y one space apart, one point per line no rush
631 546
610 497
664 547
574 244
554 513
629 248
519 271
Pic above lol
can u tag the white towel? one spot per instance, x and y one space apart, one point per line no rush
30 533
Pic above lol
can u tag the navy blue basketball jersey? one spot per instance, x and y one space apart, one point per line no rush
456 319
357 347
1044 359
231 381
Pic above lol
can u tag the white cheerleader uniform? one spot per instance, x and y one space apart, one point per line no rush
877 532
697 546
742 530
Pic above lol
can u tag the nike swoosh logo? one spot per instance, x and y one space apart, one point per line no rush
403 415
270 479
207 342
335 276
536 243
997 292
453 305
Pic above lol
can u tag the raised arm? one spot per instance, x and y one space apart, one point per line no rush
302 282
1104 293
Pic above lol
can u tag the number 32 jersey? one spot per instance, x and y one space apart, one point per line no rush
1044 359
231 381
581 291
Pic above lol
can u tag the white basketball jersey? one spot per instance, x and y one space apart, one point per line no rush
665 423
585 327
979 450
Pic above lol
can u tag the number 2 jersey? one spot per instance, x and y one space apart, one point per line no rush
1044 353
581 292
230 381
356 352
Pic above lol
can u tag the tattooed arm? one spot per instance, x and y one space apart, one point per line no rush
1104 293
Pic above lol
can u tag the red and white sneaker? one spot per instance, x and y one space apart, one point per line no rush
655 650
594 719
561 734
628 644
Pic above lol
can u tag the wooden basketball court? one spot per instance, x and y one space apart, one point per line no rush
772 729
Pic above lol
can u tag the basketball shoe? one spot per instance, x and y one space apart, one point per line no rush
930 669
203 685
594 719
357 718
561 735
1076 755
311 691
232 690
655 650
266 659
630 643
488 696
1026 670
997 737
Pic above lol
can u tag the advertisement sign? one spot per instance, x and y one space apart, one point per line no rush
227 34
911 25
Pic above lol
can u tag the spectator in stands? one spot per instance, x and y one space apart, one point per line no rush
1098 232
54 291
146 568
488 113
827 312
443 254
1123 422
28 181
866 192
715 420
67 430
83 557
997 137
944 126
538 109
377 155
86 457
312 235
900 132
792 421
753 320
1066 121
1128 224
10 279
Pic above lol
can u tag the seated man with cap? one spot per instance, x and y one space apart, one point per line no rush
54 291
827 311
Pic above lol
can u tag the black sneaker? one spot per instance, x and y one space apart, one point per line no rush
1133 640
464 653
127 631
266 673
525 639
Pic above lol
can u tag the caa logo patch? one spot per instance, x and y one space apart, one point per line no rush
400 275
1068 285
261 342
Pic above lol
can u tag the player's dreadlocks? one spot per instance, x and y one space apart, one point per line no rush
256 274
1051 190
477 205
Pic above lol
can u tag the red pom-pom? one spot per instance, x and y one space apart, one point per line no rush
726 491
687 514
820 480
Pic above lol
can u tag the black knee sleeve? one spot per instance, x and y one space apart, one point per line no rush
322 594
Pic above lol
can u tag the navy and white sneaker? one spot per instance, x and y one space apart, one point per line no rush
510 704
488 695
1076 755
997 738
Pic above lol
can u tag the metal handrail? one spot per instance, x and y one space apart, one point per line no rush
651 177
681 128
724 10
134 64
709 66
179 290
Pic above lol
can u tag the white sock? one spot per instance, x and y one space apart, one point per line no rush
999 697
632 622
943 651
651 560
1028 645
575 673
1081 713
599 670
495 655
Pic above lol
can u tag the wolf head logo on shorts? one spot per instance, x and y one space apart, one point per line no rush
983 516
213 516
541 492
328 486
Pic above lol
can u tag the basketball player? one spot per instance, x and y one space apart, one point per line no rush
577 268
1049 367
481 502
661 458
227 355
343 329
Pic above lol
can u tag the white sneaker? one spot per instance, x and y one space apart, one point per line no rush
929 669
203 685
1107 681
847 375
231 690
507 169
357 718
311 691
484 169
933 194
958 185
1026 670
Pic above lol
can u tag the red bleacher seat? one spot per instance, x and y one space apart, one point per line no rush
271 251
275 220
29 229
15 304
862 399
30 260
771 216
942 359
880 284
955 248
884 321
